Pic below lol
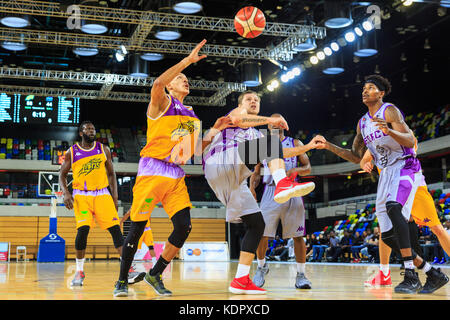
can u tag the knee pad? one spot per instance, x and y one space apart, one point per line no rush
400 225
255 229
116 235
81 238
181 227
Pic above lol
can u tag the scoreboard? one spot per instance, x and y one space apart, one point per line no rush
31 109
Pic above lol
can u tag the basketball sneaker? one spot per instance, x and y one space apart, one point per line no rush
156 283
78 279
121 289
244 285
379 280
287 188
301 282
410 284
258 278
435 280
135 277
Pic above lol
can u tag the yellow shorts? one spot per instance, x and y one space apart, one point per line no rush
423 210
147 237
100 204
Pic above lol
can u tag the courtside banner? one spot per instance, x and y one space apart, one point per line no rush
205 251
4 251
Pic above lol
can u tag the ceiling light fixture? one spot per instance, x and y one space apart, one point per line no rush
187 7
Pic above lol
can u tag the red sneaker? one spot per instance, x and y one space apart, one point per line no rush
244 285
287 189
379 280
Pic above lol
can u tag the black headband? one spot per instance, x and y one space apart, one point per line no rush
378 83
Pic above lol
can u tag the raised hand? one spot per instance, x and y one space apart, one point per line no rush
279 122
382 125
318 142
223 123
193 57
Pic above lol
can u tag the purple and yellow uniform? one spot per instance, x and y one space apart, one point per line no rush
158 178
90 193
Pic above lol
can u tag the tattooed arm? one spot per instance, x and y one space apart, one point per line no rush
242 119
353 155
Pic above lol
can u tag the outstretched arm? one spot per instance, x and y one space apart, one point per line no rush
65 168
316 143
159 99
111 176
242 119
305 167
353 155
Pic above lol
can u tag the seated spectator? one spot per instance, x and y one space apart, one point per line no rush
319 248
334 244
426 241
357 245
341 248
276 247
287 252
371 246
447 228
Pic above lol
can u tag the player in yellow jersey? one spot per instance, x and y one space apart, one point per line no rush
172 132
93 172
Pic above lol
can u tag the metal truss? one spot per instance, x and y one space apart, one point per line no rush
154 18
106 78
94 95
107 42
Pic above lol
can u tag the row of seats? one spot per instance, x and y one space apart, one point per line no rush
29 149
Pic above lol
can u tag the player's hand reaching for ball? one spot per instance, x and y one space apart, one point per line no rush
194 57
68 200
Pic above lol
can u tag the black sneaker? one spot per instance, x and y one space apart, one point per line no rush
157 284
121 289
410 284
435 280
135 277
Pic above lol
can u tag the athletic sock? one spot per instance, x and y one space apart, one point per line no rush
159 267
409 264
425 267
261 262
242 270
80 263
278 175
385 269
301 267
153 260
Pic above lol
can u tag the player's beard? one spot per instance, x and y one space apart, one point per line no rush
88 139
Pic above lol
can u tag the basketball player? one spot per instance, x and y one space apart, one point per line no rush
383 131
291 213
147 237
227 164
172 132
423 213
93 171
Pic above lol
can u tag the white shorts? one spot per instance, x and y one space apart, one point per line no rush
227 176
400 185
291 214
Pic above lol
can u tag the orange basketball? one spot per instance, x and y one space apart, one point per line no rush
249 22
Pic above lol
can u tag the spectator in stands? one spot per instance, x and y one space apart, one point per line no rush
357 245
334 244
319 248
341 248
427 240
286 251
372 245
310 238
276 248
447 228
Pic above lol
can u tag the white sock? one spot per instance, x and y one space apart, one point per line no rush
278 175
301 267
80 263
242 270
384 268
153 260
262 262
426 268
409 264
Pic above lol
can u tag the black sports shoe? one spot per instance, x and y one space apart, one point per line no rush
157 284
135 277
410 284
121 289
435 280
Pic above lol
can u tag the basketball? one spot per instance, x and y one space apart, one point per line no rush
249 22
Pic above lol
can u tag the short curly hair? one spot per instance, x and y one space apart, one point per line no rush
381 82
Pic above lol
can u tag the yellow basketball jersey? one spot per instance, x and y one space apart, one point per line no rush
165 131
88 167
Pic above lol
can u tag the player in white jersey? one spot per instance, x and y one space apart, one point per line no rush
291 213
227 163
384 132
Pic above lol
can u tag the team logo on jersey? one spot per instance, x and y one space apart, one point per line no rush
146 206
184 129
89 167
384 155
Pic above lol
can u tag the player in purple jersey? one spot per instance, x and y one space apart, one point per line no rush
384 132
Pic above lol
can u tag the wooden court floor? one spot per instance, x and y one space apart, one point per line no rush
199 281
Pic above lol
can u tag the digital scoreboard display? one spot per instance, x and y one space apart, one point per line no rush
31 109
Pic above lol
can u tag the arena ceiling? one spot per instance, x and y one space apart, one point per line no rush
412 52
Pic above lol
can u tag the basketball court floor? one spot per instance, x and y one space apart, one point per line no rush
200 281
